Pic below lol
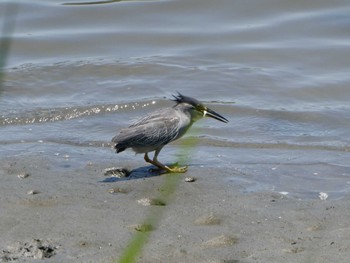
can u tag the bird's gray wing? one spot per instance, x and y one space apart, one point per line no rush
152 131
154 116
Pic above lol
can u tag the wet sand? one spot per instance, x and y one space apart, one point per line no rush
61 213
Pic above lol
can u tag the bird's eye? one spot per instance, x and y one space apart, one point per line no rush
200 108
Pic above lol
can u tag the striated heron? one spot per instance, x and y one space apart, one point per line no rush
158 128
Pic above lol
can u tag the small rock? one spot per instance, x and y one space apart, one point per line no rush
148 201
190 179
36 248
33 192
118 172
323 196
24 175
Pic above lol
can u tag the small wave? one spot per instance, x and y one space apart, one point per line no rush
68 113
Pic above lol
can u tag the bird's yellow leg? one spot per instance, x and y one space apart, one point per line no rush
172 169
161 166
158 164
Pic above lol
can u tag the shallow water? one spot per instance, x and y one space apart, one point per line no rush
277 70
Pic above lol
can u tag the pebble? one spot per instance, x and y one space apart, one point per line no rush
118 172
323 196
34 249
33 192
24 175
148 201
190 179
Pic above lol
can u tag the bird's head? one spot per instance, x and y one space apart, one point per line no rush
197 108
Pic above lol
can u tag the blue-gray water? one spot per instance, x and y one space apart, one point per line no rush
278 70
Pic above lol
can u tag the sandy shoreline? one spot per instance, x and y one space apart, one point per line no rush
76 217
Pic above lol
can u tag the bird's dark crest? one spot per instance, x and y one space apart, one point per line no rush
184 99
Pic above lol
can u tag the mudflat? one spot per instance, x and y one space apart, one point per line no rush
79 215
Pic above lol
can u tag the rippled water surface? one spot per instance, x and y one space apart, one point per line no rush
278 70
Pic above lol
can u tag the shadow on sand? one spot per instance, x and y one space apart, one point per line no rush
122 174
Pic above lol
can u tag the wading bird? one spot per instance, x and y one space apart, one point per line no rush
158 128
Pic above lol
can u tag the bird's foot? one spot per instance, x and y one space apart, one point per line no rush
166 169
176 169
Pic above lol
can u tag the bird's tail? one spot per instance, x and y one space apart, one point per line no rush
119 148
